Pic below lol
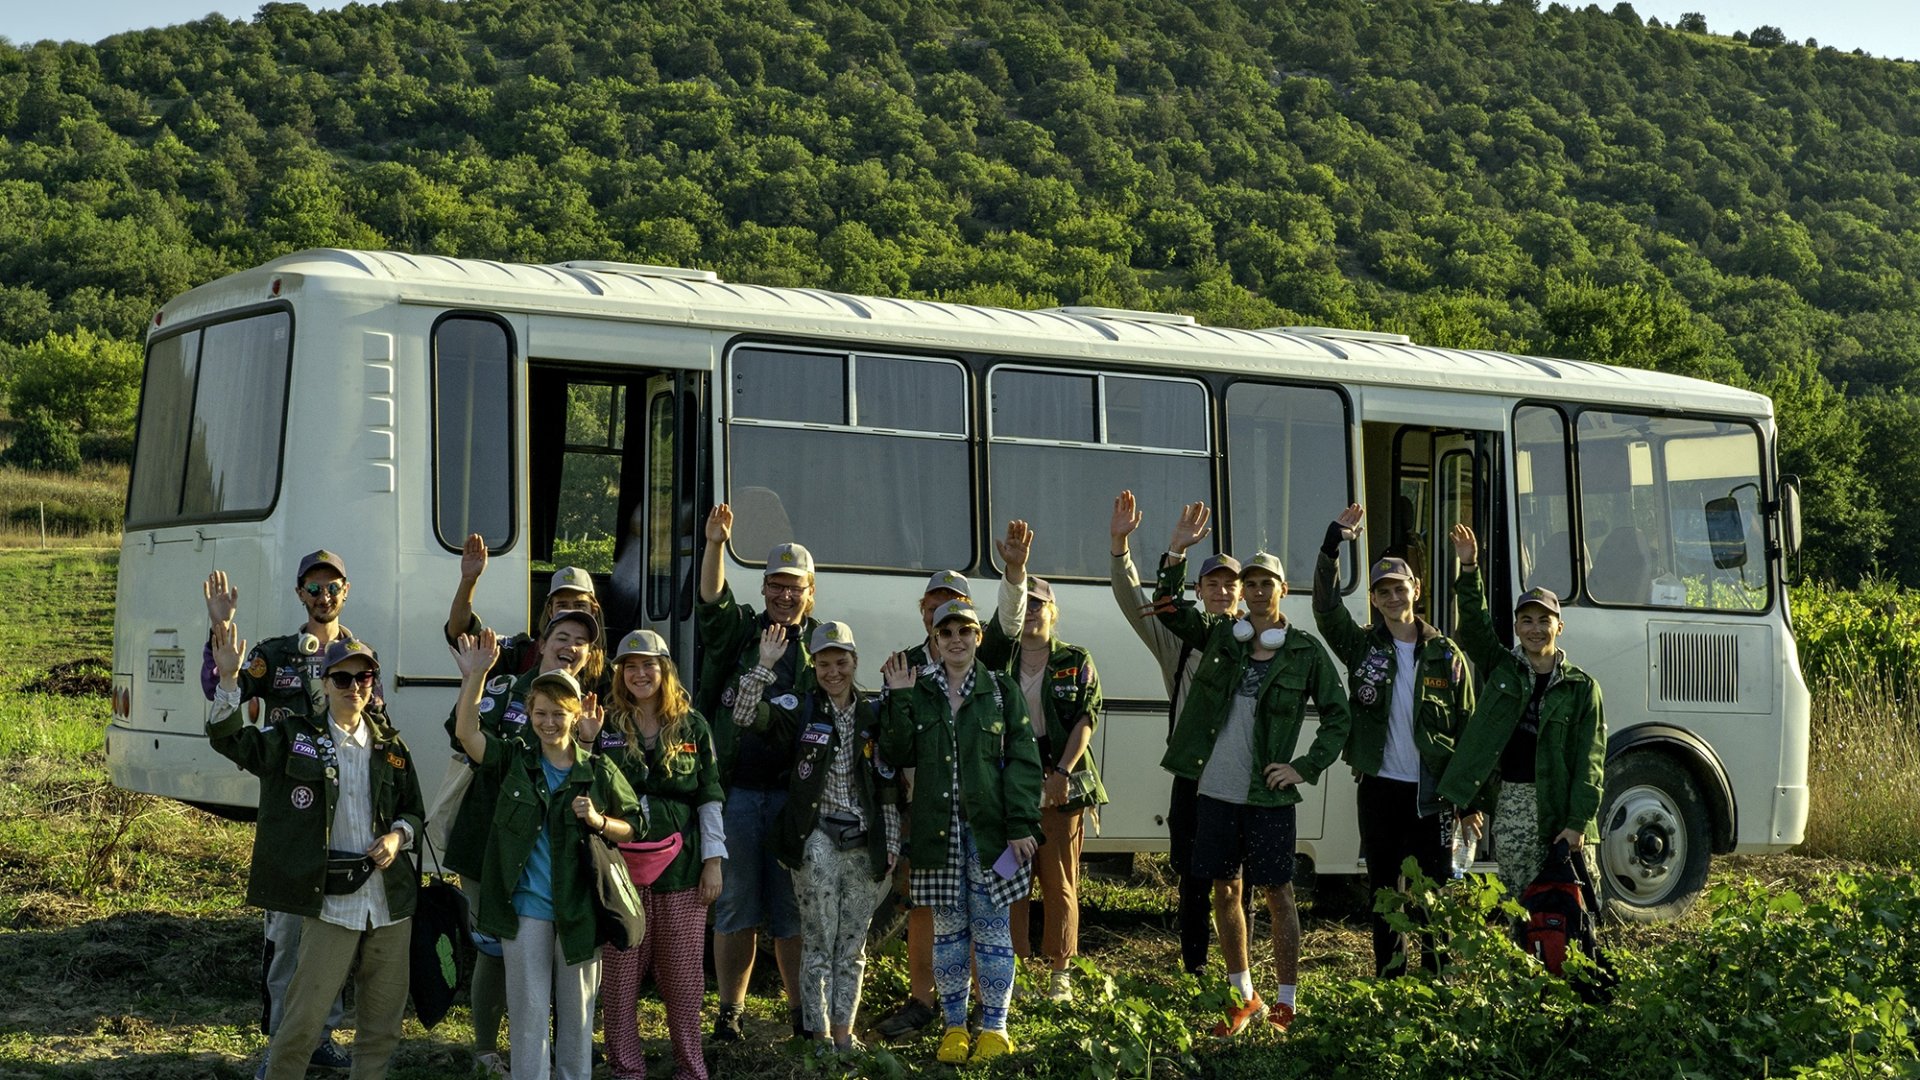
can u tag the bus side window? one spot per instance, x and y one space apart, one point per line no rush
1288 464
473 431
1542 513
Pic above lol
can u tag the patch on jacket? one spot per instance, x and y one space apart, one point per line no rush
817 734
396 761
726 698
499 684
516 714
486 705
787 702
258 667
304 748
612 740
1438 682
804 769
302 797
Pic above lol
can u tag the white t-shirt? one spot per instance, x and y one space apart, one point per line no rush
1401 761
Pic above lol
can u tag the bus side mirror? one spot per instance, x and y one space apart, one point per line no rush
1790 514
1726 533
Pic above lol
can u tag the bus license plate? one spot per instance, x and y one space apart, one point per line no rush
164 667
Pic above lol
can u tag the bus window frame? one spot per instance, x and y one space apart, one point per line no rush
1224 470
516 412
1210 402
1575 538
727 418
1570 412
286 403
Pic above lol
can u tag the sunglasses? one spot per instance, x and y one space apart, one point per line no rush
343 679
331 588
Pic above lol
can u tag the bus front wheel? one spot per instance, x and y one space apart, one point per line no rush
1655 839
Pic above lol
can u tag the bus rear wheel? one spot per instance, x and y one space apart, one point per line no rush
1655 839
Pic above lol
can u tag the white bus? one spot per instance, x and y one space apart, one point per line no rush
385 405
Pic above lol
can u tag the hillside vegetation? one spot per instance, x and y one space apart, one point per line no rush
1572 182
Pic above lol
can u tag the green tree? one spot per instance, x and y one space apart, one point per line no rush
88 382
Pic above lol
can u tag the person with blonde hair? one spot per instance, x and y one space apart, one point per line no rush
664 747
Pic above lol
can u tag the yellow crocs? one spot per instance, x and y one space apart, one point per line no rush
953 1047
990 1045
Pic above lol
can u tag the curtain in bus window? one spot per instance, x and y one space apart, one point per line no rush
1670 511
1287 468
1044 405
239 409
166 415
473 431
910 395
790 385
1066 494
1542 513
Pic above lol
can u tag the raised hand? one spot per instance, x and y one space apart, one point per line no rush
1464 544
1126 518
1015 548
476 653
773 645
222 598
592 717
720 524
473 557
1191 528
897 672
1349 522
228 648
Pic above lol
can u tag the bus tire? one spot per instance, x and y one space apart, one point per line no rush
1655 839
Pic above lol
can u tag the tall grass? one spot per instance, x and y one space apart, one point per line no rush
1864 764
87 503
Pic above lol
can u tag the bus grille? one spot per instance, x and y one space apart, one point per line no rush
1699 667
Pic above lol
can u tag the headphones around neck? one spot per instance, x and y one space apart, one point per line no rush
1270 638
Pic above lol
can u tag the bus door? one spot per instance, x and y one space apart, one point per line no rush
615 495
1441 478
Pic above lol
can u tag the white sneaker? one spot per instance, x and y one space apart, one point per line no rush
494 1064
1061 987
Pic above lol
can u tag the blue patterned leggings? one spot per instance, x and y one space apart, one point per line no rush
975 929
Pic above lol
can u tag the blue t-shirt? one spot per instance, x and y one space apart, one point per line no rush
533 896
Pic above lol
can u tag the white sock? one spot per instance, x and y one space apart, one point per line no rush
1284 995
1242 983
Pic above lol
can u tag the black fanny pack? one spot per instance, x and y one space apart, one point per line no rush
847 833
346 872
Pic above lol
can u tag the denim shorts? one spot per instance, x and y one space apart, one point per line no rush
1254 843
755 890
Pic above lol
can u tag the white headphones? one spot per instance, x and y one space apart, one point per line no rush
1271 638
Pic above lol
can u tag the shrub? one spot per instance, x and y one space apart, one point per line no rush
40 441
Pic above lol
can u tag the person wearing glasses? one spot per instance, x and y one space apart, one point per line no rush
340 805
755 890
283 675
569 644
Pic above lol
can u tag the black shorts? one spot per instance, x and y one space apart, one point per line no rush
1254 843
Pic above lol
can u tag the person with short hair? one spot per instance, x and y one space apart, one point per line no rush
975 809
840 830
570 589
663 746
537 889
284 675
918 1010
1411 692
1535 749
340 805
754 770
1218 590
1237 738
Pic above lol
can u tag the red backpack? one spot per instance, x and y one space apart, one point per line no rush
1560 915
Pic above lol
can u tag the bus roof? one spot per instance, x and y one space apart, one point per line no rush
697 298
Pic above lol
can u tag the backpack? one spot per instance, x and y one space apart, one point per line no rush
1560 916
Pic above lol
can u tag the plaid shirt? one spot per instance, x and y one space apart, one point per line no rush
946 886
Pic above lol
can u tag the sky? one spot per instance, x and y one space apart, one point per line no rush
1881 27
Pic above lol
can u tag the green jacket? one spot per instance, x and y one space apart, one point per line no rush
1570 757
525 808
674 792
1301 671
1069 690
809 730
999 764
297 801
503 712
285 679
730 635
1443 699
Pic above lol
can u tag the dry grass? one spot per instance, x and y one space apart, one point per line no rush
1864 767
86 505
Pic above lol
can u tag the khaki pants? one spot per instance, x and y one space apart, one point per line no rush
1056 870
327 954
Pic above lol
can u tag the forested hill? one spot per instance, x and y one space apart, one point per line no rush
1572 182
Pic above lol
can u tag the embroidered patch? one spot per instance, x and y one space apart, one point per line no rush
689 748
612 740
304 748
816 736
487 704
787 701
257 667
516 714
1367 693
286 678
1067 673
726 698
396 761
1438 682
276 716
805 769
302 797
499 684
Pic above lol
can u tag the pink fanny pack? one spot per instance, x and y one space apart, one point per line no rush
648 859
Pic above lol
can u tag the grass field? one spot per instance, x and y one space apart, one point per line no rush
126 949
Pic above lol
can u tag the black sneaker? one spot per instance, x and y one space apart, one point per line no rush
726 1024
798 1018
907 1020
328 1055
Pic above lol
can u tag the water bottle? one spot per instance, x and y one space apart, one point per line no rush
1466 840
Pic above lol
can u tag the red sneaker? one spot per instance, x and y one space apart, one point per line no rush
1281 1017
1238 1018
